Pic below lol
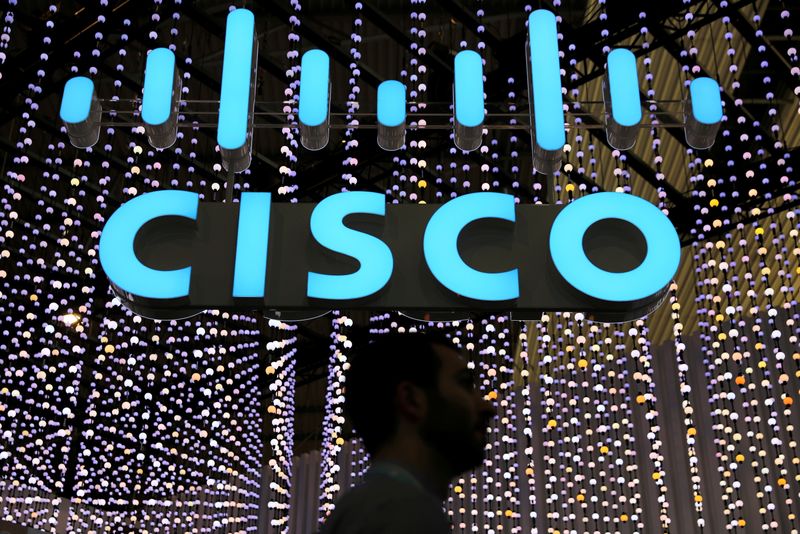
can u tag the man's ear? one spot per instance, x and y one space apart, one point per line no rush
411 401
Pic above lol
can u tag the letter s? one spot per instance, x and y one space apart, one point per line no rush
375 257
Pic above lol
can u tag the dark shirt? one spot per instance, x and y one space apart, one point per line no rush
389 501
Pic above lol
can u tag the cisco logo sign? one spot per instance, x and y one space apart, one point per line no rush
81 111
168 255
611 255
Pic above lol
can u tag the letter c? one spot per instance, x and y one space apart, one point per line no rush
441 247
118 258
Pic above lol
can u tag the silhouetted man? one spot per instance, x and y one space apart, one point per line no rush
412 400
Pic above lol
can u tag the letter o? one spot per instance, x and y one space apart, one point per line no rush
652 275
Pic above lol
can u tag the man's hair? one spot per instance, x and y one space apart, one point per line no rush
376 368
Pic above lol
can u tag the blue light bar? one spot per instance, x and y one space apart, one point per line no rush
469 102
546 80
314 88
234 100
77 100
706 101
702 113
159 76
250 271
391 103
626 105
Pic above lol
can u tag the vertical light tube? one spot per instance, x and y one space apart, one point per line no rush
544 84
162 89
81 111
314 99
622 99
702 113
468 100
391 115
235 127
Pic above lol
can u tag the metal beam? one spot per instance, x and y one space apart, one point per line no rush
309 31
397 35
772 168
454 8
679 201
698 22
23 66
777 61
81 41
675 51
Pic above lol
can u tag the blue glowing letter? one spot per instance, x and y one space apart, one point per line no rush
569 257
237 69
375 257
118 258
250 271
441 247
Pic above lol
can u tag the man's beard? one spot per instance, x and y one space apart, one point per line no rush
447 430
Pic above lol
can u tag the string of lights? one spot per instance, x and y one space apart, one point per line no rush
686 404
282 373
333 422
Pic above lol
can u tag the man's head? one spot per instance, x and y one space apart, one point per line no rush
419 384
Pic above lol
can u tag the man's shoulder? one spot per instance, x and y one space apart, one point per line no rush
383 505
386 492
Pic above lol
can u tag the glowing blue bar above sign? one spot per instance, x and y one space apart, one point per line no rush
569 256
706 100
250 270
81 111
440 246
234 99
77 100
117 255
626 105
469 89
391 103
159 75
546 80
314 88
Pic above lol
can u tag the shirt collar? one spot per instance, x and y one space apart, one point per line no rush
394 471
